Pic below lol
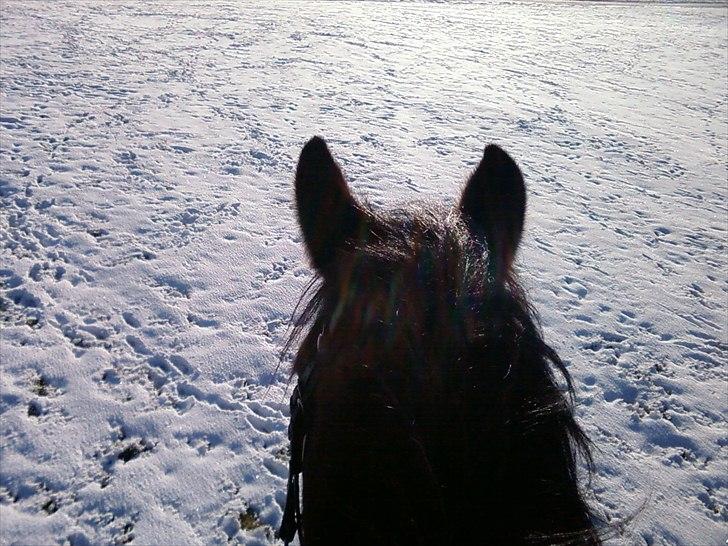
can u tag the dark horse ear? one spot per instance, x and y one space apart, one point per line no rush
327 212
494 206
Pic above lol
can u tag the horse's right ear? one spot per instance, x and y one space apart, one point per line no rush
494 206
327 212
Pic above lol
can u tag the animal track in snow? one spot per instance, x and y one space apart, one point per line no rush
575 287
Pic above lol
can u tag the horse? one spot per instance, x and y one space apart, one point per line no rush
429 409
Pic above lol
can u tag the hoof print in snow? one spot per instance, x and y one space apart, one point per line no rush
132 451
127 535
78 539
50 506
35 409
97 232
110 376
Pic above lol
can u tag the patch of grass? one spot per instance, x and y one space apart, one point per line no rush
50 506
249 519
40 386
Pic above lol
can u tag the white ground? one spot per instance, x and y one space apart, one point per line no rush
150 259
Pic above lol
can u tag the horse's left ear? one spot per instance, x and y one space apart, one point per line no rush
327 212
493 204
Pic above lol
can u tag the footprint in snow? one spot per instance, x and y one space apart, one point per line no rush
575 287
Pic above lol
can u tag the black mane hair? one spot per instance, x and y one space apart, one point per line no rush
431 368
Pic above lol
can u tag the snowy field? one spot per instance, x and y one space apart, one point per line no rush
150 259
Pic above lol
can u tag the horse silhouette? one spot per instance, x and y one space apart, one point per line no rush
428 410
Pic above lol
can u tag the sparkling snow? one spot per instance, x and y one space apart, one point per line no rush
150 259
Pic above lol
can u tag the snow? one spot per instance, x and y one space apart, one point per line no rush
150 259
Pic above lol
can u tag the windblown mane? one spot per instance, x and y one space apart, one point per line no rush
421 320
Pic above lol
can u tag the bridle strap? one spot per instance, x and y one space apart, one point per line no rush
297 429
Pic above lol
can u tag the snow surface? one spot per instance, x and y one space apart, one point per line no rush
150 258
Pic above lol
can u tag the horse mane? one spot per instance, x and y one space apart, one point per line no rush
450 285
